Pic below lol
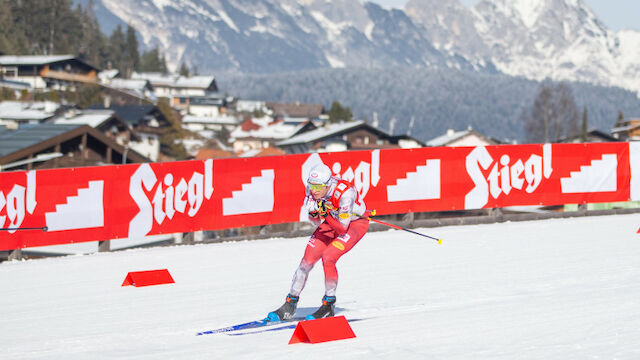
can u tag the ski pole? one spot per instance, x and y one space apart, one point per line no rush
373 213
401 228
43 228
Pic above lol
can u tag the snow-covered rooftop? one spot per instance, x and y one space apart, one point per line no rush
194 81
156 78
106 75
19 110
448 137
33 59
320 133
267 129
222 120
93 118
173 80
129 84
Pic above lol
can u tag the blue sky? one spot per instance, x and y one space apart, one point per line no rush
616 14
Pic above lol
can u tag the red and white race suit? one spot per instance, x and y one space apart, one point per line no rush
335 235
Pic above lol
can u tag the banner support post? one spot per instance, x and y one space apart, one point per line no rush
15 254
104 246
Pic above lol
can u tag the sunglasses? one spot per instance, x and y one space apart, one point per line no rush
317 187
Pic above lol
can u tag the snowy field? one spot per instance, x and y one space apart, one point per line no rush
553 289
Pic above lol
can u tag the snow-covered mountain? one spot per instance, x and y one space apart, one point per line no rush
559 39
262 36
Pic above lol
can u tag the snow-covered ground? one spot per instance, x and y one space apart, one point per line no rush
553 289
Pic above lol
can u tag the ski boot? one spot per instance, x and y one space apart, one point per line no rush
286 311
326 310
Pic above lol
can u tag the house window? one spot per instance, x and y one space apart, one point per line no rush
9 71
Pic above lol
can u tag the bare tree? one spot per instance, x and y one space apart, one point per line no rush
553 115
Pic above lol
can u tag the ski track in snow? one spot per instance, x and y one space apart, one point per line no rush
552 289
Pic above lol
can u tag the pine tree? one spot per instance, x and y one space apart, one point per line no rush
132 54
585 132
169 143
152 61
184 70
620 119
117 49
339 113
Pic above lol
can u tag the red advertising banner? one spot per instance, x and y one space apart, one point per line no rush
120 201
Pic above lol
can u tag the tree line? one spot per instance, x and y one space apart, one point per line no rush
55 27
497 105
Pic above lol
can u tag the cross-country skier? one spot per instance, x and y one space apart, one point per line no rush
335 208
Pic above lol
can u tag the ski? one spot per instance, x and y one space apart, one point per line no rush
248 325
260 330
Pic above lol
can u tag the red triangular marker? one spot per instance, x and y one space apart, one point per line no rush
147 278
322 330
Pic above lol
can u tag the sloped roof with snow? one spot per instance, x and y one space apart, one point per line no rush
325 132
195 81
39 60
221 120
20 110
93 118
108 74
33 59
173 80
265 128
448 137
130 84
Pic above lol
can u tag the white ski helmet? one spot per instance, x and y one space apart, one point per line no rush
319 174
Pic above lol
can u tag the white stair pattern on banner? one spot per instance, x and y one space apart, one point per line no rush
255 197
600 176
634 160
85 210
423 184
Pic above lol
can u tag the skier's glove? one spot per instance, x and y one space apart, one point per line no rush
322 208
312 208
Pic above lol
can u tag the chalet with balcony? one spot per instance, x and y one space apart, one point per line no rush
59 72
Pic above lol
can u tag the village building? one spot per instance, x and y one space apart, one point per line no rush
352 135
250 106
298 112
208 126
57 72
594 135
147 123
47 145
14 113
180 90
261 133
627 130
140 88
105 121
467 137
